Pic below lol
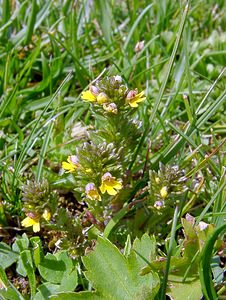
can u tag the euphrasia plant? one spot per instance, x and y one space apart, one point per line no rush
100 163
39 203
165 187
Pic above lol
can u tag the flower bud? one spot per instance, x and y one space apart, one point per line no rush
164 192
139 46
159 204
111 107
74 159
157 180
118 78
102 98
94 90
91 192
131 94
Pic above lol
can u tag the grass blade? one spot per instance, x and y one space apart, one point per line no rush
43 150
31 22
163 86
205 268
31 137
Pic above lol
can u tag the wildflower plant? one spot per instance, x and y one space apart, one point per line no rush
166 186
39 203
113 106
100 164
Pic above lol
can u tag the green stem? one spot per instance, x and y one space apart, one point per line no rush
173 233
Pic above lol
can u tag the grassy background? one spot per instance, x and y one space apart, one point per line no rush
50 51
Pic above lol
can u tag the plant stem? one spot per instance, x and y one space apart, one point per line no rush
173 232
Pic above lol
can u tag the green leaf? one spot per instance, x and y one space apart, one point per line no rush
52 269
218 272
116 277
3 279
59 268
7 290
37 250
205 264
80 296
21 243
189 291
28 266
145 248
10 294
69 282
7 256
46 290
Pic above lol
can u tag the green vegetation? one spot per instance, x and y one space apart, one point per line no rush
112 143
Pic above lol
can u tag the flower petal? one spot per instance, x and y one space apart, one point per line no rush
88 96
111 191
117 185
36 227
103 188
69 167
27 222
46 215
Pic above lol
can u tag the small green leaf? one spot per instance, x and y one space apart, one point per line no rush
189 291
52 269
69 282
218 272
21 243
3 280
37 250
46 290
146 248
28 265
10 294
7 256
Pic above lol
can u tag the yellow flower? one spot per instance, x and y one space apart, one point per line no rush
164 192
133 98
109 184
46 214
88 96
91 192
32 220
71 165
91 94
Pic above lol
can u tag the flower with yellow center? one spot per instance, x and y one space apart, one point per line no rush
109 184
133 98
71 164
91 94
91 192
32 220
164 192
